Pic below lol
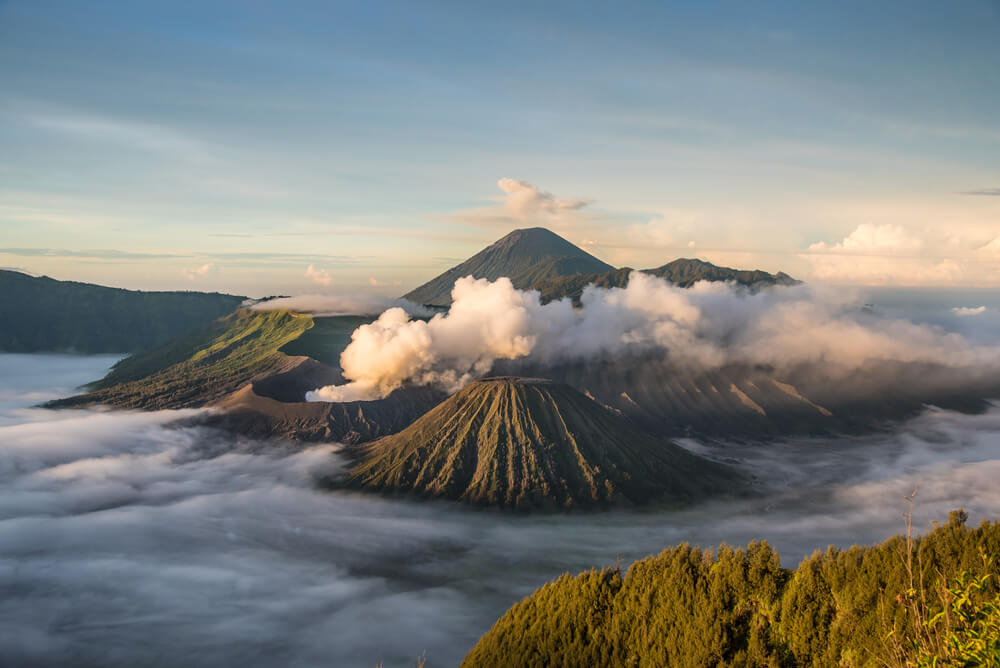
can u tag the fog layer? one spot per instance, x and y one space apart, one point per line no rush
128 540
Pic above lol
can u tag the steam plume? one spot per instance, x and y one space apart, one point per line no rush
702 327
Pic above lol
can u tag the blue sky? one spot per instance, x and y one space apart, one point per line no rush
232 146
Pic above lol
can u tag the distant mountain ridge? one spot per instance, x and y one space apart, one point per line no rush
539 259
527 257
41 314
531 444
683 272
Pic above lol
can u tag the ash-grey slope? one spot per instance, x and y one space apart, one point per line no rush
527 257
529 444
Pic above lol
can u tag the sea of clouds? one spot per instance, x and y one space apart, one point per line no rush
137 539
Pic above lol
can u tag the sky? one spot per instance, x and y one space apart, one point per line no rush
296 147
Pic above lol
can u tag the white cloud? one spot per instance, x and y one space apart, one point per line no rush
889 254
198 272
525 204
320 276
525 200
968 311
872 238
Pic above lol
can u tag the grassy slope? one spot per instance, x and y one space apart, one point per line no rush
327 338
41 314
688 607
201 366
518 444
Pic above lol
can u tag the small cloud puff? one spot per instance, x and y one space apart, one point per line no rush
524 203
968 311
524 200
320 276
871 238
198 272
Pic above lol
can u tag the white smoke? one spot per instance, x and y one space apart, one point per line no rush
333 305
704 327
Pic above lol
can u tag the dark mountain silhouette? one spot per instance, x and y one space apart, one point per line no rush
532 444
41 314
527 257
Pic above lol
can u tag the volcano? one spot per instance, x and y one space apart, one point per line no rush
527 257
531 444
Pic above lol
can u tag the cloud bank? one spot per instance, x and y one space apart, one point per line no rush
888 254
127 539
333 305
703 327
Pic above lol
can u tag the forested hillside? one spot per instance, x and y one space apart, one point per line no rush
863 606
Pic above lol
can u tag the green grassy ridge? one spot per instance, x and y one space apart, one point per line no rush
327 338
739 607
526 445
40 314
201 366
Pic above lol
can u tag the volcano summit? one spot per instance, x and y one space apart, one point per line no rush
527 257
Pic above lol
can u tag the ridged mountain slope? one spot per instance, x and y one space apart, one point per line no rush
532 444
